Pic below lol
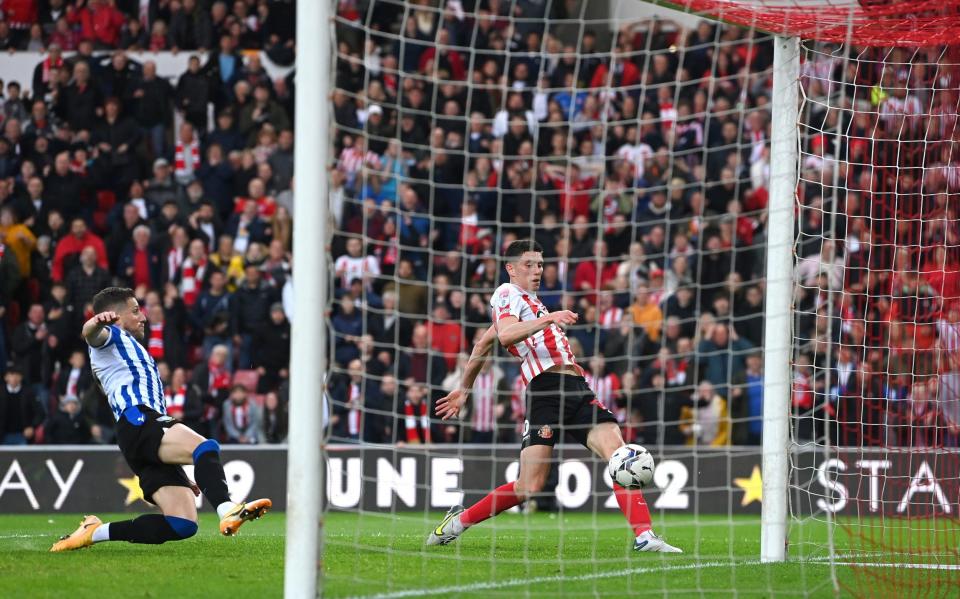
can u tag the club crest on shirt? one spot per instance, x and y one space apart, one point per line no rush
545 432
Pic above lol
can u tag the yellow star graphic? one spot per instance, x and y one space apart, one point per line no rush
134 492
752 487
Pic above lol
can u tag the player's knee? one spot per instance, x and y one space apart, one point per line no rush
527 488
205 447
183 528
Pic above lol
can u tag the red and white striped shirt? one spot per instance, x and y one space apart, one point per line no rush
175 399
540 351
414 415
611 317
352 160
518 404
354 405
155 341
485 401
606 388
191 279
186 160
360 267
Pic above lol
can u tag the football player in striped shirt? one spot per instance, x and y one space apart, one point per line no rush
154 445
560 401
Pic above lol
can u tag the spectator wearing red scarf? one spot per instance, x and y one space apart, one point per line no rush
213 380
43 73
241 417
416 416
165 323
183 399
192 272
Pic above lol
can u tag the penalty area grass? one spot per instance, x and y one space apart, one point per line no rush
383 555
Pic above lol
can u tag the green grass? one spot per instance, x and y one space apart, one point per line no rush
542 555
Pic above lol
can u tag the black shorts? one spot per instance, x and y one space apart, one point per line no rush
561 403
139 432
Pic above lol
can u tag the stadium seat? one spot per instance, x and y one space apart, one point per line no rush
247 378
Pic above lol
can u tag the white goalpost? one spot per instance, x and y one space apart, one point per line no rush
303 575
752 209
778 337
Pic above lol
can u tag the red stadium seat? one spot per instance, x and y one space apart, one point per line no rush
247 378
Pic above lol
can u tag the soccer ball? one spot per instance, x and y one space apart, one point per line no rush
631 467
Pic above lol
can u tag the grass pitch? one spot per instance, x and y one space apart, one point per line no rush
382 555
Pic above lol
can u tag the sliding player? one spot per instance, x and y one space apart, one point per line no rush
154 444
560 401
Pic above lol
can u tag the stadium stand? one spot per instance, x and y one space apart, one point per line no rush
640 164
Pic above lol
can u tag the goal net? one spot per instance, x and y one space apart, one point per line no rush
633 143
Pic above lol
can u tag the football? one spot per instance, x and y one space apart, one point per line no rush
631 467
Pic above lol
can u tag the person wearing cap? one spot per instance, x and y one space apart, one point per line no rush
19 411
161 187
379 129
271 353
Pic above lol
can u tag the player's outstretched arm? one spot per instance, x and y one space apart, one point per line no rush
449 405
95 330
511 330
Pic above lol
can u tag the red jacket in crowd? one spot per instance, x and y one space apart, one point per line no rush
587 273
100 23
20 14
629 75
70 245
446 338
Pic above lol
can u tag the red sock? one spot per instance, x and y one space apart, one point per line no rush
501 499
634 507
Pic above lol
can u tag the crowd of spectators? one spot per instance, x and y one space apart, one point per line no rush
113 175
638 157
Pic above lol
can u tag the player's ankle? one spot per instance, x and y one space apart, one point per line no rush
224 508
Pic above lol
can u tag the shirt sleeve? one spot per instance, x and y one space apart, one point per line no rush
506 302
114 332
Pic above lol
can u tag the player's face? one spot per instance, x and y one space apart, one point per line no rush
132 319
527 270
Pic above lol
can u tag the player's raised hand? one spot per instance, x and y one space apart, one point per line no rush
564 317
449 405
106 318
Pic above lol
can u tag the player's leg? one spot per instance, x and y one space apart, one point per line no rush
181 445
177 522
604 439
534 470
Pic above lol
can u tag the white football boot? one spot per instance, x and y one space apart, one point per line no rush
648 541
449 528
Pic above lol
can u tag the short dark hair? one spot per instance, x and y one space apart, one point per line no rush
111 296
518 247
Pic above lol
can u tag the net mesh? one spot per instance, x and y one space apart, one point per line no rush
635 150
875 383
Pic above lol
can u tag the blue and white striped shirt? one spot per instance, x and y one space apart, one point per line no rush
127 373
